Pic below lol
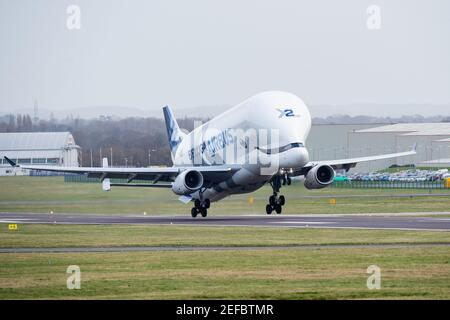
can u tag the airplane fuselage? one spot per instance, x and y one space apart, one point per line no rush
261 135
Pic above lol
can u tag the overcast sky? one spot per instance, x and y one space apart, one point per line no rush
146 54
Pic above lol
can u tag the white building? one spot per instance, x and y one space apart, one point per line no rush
433 144
42 148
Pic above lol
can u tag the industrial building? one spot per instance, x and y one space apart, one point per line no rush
330 141
42 148
433 144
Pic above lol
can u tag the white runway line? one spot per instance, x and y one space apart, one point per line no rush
304 222
14 220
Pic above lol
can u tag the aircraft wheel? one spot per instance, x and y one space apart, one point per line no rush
278 209
272 200
194 212
207 203
204 212
289 181
269 209
283 181
282 200
197 203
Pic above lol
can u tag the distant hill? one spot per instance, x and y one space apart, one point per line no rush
118 112
322 114
379 110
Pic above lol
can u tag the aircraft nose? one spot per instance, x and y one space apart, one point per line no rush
294 158
303 156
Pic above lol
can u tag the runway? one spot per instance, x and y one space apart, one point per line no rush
355 221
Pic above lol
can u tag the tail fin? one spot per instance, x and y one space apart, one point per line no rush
174 133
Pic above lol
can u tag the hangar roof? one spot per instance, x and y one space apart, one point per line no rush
36 141
413 129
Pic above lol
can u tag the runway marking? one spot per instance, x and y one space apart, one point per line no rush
291 221
18 220
303 222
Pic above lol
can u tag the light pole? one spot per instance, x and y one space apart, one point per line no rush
149 155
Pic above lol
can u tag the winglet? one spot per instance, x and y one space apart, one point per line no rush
12 163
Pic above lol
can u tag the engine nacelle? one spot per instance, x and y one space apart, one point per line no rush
319 177
187 182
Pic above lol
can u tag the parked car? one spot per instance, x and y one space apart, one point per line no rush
411 175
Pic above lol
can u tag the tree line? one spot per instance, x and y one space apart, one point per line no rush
130 141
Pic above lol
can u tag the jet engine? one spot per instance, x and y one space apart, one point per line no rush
319 177
187 182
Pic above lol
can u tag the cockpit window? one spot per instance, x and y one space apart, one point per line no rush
282 149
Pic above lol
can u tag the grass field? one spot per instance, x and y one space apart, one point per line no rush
44 194
293 273
412 272
33 235
279 274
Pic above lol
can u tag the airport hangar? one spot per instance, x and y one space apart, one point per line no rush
335 141
48 148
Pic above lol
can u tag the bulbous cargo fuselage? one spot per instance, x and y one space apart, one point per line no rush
263 135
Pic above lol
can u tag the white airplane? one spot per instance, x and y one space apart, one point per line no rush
259 141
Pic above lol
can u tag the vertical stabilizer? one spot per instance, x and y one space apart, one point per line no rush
173 130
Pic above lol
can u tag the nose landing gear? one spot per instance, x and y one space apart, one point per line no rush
286 180
200 207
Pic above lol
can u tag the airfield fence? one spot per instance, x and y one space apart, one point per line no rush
360 184
349 184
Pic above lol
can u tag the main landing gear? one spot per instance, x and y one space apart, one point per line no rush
200 207
277 202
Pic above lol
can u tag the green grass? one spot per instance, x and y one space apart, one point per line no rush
294 273
406 273
44 194
322 273
33 235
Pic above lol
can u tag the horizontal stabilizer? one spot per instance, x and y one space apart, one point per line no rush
12 163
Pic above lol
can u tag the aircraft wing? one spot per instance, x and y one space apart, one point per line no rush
352 162
156 174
